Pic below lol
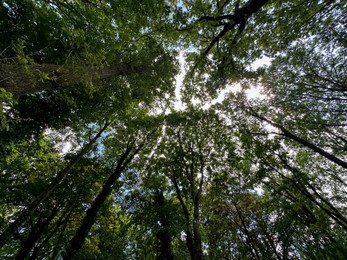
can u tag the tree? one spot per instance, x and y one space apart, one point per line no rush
88 37
190 154
44 195
244 178
133 144
268 28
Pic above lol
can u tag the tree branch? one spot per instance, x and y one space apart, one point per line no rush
240 17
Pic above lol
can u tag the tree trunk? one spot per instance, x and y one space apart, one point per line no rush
189 233
249 240
196 196
77 241
325 205
163 235
28 79
193 237
301 141
26 213
35 235
165 245
240 17
197 235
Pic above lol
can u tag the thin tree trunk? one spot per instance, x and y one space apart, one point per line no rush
78 240
64 223
197 235
164 235
28 79
193 236
189 233
303 190
196 214
35 235
26 213
301 141
331 210
240 17
61 222
249 240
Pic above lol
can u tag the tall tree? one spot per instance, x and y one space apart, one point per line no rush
246 178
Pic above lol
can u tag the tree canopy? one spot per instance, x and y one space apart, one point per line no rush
128 131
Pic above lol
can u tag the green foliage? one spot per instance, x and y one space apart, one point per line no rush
246 178
5 101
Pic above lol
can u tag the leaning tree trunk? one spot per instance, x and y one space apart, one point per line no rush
301 141
28 79
78 240
35 235
31 209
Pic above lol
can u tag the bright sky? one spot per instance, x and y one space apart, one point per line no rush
65 144
253 93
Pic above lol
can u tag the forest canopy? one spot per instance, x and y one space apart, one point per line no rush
127 130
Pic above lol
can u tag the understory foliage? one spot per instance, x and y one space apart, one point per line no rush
113 144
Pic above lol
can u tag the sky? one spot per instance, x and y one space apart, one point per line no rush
65 144
253 93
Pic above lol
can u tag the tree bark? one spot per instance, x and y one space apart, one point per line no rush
77 241
197 235
26 213
301 141
298 183
28 79
193 235
196 214
239 17
163 235
35 235
188 231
